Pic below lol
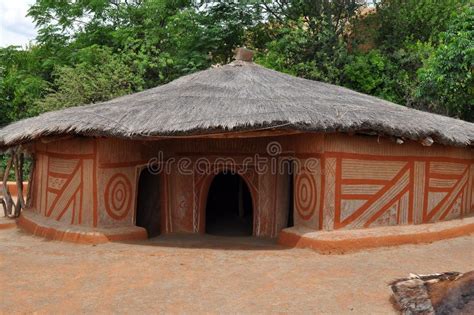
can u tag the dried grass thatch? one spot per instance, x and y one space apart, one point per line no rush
237 97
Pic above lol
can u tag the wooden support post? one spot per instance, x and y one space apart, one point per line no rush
7 198
10 208
20 204
29 197
4 206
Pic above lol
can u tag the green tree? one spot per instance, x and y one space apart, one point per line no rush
93 50
373 73
407 34
409 21
447 77
320 56
21 83
98 76
308 37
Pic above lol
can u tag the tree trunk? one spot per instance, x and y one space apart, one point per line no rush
29 198
7 198
10 208
20 204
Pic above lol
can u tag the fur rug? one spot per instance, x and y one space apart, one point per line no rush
440 293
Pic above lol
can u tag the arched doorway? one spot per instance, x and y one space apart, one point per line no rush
229 210
148 203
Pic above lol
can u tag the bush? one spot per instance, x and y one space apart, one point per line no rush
446 78
374 73
98 76
311 55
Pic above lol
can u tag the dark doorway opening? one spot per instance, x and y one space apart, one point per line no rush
229 210
148 203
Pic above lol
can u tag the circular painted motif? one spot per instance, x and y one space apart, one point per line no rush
118 196
306 195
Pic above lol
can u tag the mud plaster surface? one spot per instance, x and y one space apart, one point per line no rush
197 274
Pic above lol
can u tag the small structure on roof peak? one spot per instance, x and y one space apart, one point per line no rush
243 54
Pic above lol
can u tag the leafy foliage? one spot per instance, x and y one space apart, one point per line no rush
374 73
416 53
318 56
98 76
21 83
447 77
408 21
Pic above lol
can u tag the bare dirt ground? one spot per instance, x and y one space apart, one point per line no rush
205 274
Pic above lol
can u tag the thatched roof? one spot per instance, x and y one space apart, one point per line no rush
236 97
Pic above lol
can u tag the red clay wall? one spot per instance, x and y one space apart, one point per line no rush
65 182
370 182
342 181
183 194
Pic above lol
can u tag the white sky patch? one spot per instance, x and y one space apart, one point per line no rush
15 27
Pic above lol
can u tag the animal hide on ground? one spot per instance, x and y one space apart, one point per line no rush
441 293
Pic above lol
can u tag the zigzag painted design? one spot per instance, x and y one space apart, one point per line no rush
446 184
381 190
64 183
64 203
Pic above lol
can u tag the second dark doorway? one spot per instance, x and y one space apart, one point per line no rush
149 203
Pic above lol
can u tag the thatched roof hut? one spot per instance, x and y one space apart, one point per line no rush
279 153
240 96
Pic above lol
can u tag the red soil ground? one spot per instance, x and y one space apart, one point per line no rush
195 274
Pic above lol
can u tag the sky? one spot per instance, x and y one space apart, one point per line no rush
15 27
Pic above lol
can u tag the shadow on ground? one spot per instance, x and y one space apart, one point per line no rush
211 242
